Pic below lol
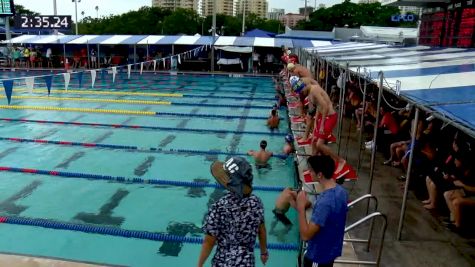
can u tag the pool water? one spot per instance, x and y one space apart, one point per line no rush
157 208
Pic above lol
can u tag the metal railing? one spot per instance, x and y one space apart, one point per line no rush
359 200
369 217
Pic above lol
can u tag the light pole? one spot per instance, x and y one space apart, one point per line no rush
55 9
243 17
76 10
305 11
97 11
214 35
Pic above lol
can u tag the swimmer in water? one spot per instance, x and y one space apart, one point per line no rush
289 145
273 120
262 156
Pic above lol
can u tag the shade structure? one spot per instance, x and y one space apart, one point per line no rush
440 80
167 40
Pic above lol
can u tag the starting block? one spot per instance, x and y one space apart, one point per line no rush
295 104
307 142
345 175
297 119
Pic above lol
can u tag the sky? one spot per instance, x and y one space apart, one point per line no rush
107 7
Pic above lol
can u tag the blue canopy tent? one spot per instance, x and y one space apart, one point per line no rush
440 81
259 33
143 42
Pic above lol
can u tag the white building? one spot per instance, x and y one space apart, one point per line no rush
276 13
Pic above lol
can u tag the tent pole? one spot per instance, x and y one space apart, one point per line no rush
98 57
360 134
326 76
415 123
148 54
375 135
342 106
135 57
318 69
64 55
88 62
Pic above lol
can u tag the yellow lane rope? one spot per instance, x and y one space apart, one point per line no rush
88 110
90 92
105 100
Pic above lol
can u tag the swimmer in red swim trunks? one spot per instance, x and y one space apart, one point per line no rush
325 120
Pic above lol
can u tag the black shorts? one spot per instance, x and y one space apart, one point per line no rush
309 263
280 215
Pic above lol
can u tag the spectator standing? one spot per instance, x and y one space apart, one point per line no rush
325 230
48 57
235 219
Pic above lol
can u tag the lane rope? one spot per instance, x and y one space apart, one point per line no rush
116 231
125 180
141 102
143 127
127 93
129 112
130 148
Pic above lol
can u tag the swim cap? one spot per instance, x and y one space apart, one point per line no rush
293 58
290 66
293 80
297 84
289 138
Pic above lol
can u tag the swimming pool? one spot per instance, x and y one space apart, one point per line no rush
131 187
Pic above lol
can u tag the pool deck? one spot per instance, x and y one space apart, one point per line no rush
424 242
12 260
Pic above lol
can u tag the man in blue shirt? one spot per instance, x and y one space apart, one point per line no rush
324 232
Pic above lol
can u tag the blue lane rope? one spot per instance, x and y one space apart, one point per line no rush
115 231
144 127
221 105
130 148
125 180
230 97
211 116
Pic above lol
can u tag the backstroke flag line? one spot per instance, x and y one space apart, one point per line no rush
67 78
93 78
8 85
114 72
30 83
49 82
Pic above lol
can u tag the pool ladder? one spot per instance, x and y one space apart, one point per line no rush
368 217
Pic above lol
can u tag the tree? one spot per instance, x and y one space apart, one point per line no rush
146 20
182 21
21 10
353 16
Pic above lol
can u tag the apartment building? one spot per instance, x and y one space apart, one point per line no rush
173 4
258 7
276 13
225 7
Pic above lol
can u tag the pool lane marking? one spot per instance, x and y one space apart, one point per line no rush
140 102
129 148
128 180
101 100
81 92
141 127
129 93
119 232
129 112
